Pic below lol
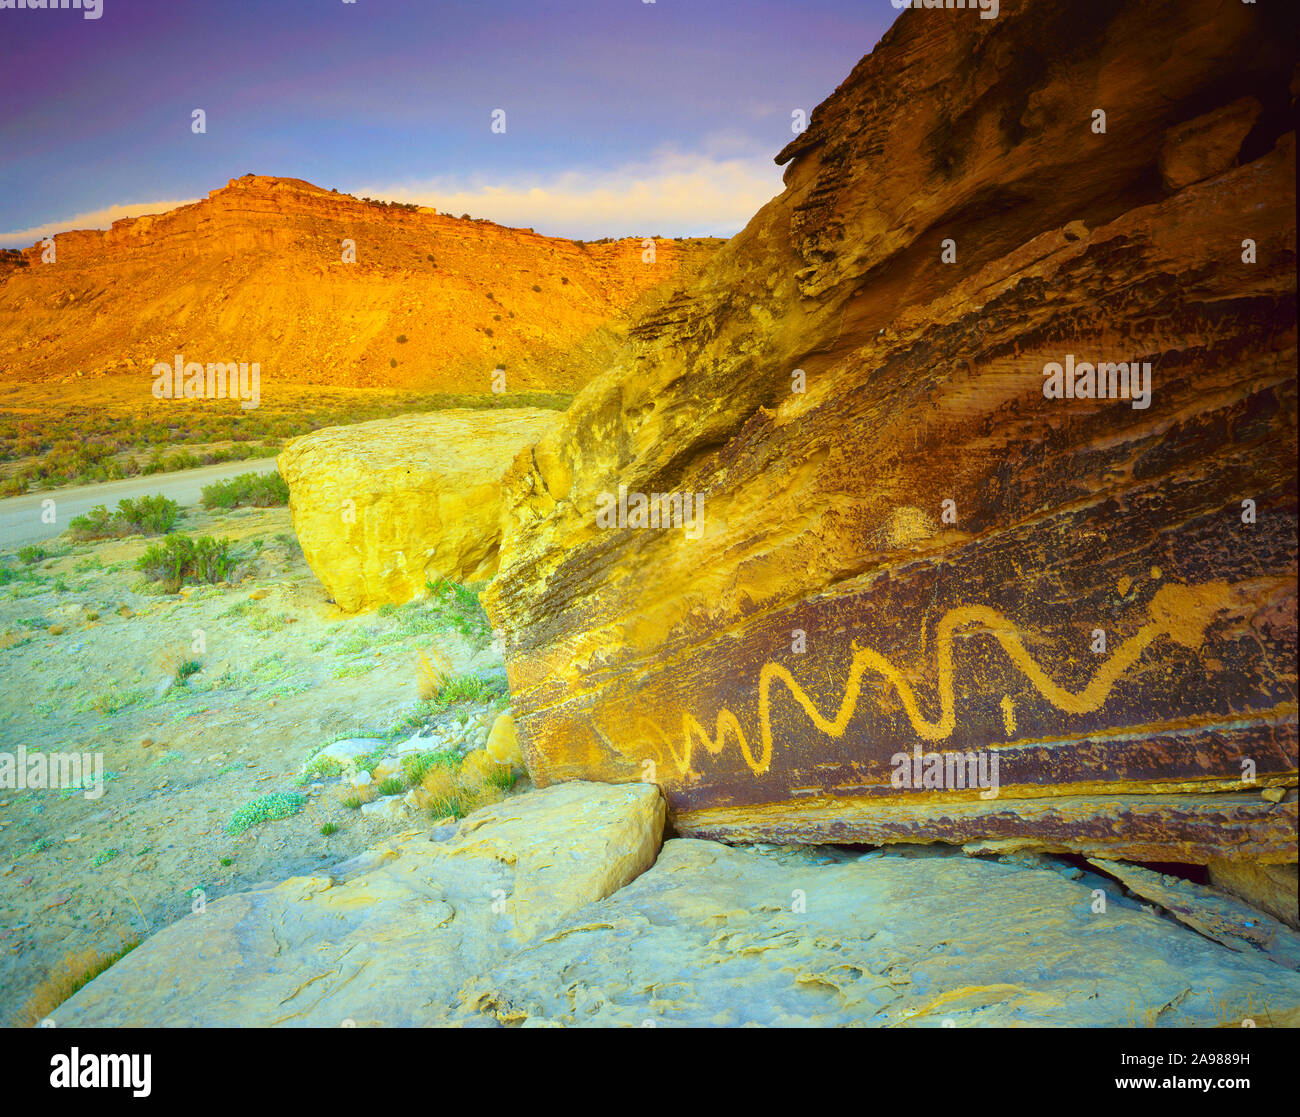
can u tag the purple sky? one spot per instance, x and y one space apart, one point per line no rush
622 117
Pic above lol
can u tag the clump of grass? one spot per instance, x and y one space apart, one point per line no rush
149 515
352 801
185 669
180 560
255 490
457 792
353 670
105 857
111 701
330 828
32 554
394 785
269 808
325 766
504 779
418 765
465 688
433 670
75 971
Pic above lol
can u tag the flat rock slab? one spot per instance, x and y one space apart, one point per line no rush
382 507
387 938
1219 917
718 936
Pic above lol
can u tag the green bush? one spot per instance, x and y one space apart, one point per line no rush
150 515
180 560
257 490
32 554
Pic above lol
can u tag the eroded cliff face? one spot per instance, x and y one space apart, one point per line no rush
1092 600
256 272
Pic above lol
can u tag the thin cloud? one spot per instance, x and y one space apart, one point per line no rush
672 193
96 219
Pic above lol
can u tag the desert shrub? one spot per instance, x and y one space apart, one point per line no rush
257 490
32 554
401 339
149 515
269 808
180 560
394 785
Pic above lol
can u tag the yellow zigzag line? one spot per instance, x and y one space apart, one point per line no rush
1181 612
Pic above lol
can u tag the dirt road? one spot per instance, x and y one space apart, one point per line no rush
21 520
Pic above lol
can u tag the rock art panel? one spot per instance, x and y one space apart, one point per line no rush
987 432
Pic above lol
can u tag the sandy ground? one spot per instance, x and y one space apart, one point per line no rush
282 675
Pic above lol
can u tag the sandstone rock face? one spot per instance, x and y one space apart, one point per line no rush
388 937
911 543
381 507
1271 888
257 272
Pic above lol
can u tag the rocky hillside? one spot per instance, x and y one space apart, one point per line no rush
915 538
256 272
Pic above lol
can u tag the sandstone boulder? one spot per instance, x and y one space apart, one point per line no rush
1207 145
382 507
931 595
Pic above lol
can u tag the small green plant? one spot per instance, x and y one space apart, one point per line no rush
329 828
180 560
401 339
105 857
32 554
185 669
394 785
352 802
269 808
225 862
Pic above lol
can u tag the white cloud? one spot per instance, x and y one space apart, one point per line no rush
96 219
671 193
